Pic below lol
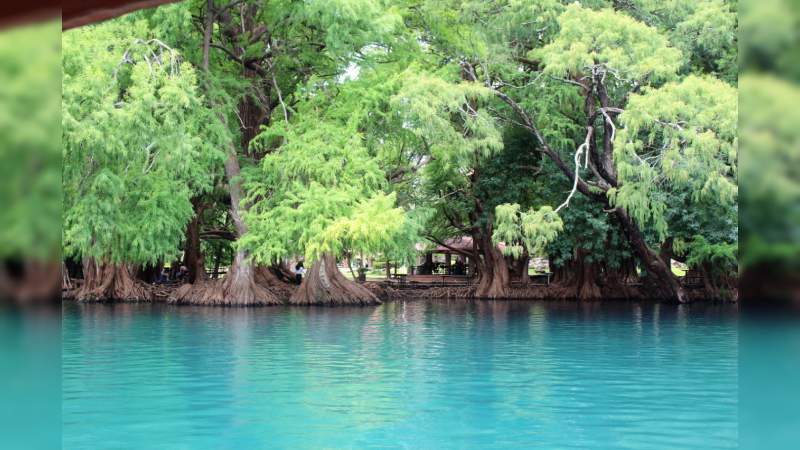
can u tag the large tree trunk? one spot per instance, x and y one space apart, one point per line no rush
622 282
493 279
30 281
192 255
111 282
427 267
66 281
239 284
717 286
277 279
588 273
520 268
660 276
325 285
560 274
578 279
665 252
217 258
239 287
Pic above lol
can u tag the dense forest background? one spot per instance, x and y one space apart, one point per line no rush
243 133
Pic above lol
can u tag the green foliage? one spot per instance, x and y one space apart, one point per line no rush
30 156
320 191
351 24
682 135
629 49
454 135
597 234
769 38
722 257
770 214
705 31
446 115
449 25
532 230
381 121
138 144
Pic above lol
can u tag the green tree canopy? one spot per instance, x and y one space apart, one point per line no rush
320 190
138 143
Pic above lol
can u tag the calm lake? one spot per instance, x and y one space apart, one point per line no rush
412 375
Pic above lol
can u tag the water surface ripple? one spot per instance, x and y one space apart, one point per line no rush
414 375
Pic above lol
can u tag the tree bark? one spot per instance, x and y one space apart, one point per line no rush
111 282
560 275
193 256
239 287
520 268
30 281
208 27
665 252
578 279
588 273
427 267
66 281
621 282
324 284
493 279
217 258
660 274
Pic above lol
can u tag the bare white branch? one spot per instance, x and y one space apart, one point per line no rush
583 150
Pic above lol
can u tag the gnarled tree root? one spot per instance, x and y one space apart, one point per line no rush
238 288
325 285
111 282
220 293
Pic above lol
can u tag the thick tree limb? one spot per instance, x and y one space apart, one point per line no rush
449 247
218 234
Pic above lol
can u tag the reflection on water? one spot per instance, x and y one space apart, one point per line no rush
402 375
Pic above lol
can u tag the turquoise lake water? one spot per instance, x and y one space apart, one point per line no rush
414 375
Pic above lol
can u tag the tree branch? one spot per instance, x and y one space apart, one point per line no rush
582 150
218 234
456 250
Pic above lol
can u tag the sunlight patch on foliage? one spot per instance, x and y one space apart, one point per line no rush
530 230
682 134
626 47
138 144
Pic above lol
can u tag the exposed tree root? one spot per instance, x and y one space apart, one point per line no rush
111 282
379 290
494 280
238 288
274 279
30 281
524 292
325 285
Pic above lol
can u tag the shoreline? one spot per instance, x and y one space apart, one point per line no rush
388 293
